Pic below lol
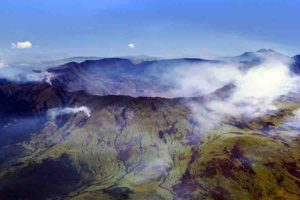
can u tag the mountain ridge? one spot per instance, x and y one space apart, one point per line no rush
59 143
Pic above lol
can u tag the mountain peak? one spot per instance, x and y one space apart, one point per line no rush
263 50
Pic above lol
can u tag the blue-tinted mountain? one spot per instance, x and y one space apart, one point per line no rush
120 76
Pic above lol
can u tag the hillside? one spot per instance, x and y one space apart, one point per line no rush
142 148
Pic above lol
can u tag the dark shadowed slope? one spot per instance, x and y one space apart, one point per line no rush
296 64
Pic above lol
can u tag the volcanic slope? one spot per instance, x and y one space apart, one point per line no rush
140 148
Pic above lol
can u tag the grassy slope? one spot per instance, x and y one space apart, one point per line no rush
143 150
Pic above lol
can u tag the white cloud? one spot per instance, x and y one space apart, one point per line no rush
54 112
200 79
131 46
255 88
21 45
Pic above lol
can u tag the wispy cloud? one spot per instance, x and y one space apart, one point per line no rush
21 45
53 113
256 88
131 45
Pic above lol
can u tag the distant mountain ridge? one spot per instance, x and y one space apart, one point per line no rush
120 76
149 77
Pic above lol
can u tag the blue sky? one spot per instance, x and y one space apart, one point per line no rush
195 28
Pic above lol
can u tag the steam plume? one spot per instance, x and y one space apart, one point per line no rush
53 113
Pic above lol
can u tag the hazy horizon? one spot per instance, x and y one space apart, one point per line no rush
59 29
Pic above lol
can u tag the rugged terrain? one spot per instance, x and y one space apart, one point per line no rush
121 76
139 147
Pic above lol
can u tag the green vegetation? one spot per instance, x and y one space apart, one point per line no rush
155 150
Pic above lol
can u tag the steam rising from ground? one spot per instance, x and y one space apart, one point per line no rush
268 80
201 79
23 74
256 88
53 113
